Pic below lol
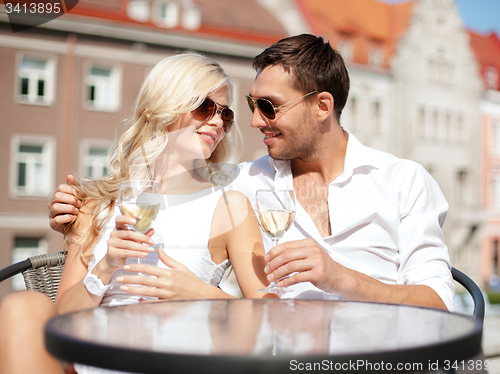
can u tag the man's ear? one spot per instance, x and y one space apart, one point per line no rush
325 105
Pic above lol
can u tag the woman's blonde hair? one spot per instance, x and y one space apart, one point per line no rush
176 85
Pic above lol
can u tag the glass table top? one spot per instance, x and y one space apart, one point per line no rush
266 329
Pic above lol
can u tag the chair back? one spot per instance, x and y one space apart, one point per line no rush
41 273
475 292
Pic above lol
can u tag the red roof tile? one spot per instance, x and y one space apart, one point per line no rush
487 51
237 20
114 5
366 23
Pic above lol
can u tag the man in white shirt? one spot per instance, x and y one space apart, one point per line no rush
385 221
368 225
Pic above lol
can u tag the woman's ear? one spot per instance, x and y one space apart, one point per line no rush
325 105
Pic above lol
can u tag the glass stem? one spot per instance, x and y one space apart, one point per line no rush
275 243
140 261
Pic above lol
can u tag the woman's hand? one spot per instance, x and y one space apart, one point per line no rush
125 243
176 283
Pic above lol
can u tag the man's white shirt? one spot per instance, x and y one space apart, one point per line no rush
386 215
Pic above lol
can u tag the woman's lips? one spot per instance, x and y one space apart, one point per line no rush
208 137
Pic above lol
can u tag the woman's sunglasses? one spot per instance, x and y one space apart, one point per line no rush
267 108
207 110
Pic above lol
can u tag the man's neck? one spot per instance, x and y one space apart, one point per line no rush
327 163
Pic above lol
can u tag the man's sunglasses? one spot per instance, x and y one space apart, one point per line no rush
267 108
207 110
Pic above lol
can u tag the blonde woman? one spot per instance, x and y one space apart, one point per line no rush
181 117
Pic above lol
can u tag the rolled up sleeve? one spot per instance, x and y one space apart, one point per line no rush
424 257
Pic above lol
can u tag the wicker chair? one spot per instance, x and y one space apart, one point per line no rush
41 273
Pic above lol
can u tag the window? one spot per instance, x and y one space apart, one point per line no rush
440 68
441 72
35 80
448 126
495 137
434 129
32 165
491 77
421 128
139 10
376 57
346 50
454 136
441 127
494 192
95 158
191 16
24 248
460 128
103 88
376 117
167 13
460 187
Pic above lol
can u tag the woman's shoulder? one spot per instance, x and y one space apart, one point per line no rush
232 209
233 198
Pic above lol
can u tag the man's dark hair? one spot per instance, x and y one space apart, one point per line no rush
313 64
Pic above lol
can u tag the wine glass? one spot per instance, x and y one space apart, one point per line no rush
140 199
275 213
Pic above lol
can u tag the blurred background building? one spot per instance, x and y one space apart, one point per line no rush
423 88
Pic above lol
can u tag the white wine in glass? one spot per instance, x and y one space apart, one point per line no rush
275 213
143 213
140 199
274 223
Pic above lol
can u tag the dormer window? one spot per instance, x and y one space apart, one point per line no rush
139 10
376 57
167 13
345 49
491 77
191 17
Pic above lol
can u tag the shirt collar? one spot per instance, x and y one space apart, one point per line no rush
283 179
357 155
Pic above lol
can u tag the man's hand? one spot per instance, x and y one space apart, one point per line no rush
64 205
308 261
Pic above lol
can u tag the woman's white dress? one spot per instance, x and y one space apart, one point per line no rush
182 228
